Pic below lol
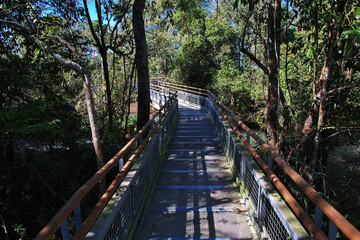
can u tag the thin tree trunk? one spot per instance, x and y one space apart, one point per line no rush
129 99
105 66
311 144
123 102
101 45
141 60
3 225
94 128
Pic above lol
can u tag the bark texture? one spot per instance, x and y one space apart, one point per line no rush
272 123
142 65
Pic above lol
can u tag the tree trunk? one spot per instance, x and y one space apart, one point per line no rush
101 45
94 128
128 102
273 87
105 66
141 61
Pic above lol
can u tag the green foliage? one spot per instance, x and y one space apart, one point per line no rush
38 124
235 90
20 230
195 63
132 123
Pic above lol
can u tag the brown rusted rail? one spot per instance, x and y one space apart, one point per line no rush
54 224
339 220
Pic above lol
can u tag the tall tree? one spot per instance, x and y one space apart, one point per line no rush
108 37
142 65
17 20
270 68
272 118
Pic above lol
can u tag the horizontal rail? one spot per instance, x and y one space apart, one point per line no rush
339 220
54 224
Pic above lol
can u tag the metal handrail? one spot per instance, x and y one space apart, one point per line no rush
339 220
54 224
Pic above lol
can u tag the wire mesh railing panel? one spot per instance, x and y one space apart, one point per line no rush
272 222
122 220
138 186
252 187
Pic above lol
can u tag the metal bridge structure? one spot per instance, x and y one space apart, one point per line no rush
199 173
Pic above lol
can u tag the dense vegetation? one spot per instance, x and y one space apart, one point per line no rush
288 68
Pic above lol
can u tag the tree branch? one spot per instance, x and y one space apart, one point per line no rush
66 44
255 60
99 15
25 32
93 33
338 89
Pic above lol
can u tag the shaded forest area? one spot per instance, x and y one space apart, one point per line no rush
288 68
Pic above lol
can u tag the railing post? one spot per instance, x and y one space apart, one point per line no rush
65 230
121 164
269 161
318 216
77 214
260 202
332 231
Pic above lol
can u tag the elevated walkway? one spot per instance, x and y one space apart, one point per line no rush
179 182
195 195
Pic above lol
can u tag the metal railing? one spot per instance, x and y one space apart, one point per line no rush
73 205
195 97
244 153
117 221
